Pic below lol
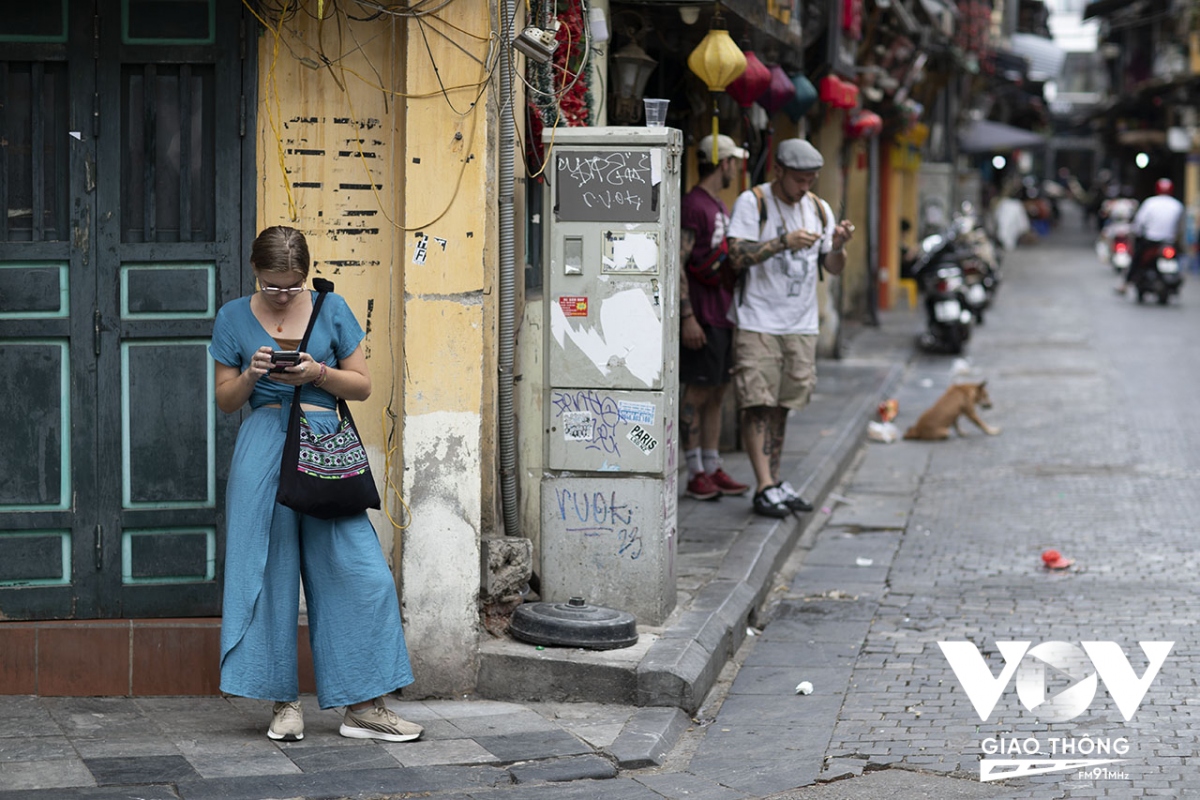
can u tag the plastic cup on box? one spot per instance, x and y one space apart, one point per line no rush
656 112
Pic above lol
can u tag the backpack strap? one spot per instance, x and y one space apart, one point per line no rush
740 285
820 211
762 224
762 209
824 223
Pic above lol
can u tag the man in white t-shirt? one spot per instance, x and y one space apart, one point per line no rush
1159 221
780 237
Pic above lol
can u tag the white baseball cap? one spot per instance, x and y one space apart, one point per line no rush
725 149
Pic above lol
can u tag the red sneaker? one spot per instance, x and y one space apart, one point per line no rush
701 487
726 484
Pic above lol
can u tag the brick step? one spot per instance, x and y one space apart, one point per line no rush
120 657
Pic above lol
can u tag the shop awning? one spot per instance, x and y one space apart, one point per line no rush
1044 56
1101 8
986 136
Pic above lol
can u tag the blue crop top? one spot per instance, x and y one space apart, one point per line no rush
237 335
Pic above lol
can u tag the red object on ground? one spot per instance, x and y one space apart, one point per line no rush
1055 560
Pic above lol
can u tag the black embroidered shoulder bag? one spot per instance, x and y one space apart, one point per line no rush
324 475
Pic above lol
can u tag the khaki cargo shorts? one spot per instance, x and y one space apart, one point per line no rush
774 370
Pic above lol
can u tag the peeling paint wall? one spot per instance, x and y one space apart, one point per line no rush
375 138
855 279
828 139
326 140
450 259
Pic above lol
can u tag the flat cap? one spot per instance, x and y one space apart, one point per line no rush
799 154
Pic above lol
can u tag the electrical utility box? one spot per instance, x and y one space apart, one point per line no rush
611 288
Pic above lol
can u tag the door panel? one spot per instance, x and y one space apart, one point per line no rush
168 448
45 481
47 299
119 136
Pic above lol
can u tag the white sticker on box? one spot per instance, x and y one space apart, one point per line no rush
630 411
578 426
642 439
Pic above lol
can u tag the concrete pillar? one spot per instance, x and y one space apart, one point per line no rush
447 172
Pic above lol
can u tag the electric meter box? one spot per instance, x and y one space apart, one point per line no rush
611 288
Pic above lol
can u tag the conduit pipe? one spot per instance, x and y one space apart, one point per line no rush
508 280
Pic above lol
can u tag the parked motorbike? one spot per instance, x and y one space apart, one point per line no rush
975 292
977 254
940 281
1160 274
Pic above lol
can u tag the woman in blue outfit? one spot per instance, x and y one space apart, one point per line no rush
358 648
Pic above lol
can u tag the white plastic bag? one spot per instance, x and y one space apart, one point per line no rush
885 432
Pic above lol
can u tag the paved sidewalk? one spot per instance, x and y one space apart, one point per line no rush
566 715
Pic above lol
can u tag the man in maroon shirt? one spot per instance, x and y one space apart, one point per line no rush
706 335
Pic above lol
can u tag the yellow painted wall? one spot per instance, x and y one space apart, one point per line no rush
827 137
384 159
450 257
325 137
855 279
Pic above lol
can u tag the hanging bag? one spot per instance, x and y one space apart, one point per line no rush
324 475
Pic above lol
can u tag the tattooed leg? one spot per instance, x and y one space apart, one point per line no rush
756 425
689 415
777 425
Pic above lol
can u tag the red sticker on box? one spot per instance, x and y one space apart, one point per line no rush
573 306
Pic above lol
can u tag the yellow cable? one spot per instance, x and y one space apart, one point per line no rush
388 484
273 92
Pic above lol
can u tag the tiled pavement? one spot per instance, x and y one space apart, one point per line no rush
215 747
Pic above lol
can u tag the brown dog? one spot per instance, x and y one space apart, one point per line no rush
959 400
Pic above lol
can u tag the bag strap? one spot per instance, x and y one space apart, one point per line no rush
740 283
762 209
762 224
323 288
820 211
711 265
820 204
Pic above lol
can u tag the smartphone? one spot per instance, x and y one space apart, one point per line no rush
284 358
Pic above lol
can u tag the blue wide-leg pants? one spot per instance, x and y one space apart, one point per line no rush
354 624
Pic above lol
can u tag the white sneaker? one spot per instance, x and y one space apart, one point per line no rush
288 723
378 722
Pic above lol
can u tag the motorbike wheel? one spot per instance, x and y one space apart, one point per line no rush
1141 296
954 341
1164 298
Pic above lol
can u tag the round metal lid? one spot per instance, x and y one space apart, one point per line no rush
574 624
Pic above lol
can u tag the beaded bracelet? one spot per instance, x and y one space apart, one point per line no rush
320 381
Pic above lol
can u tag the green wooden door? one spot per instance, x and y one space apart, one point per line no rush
123 171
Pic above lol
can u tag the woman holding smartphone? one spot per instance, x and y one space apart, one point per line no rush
358 647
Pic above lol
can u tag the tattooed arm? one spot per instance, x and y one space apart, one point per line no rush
744 253
687 240
690 331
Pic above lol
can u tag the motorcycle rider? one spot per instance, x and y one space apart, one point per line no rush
1116 213
1156 223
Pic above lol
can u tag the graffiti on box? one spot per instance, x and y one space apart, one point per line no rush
602 514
